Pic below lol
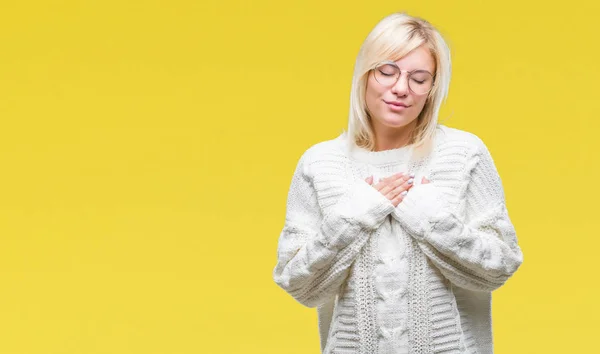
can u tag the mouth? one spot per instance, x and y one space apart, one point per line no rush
396 104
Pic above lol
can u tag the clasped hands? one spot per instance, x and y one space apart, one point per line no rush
395 187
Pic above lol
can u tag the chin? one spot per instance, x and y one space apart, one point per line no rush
396 122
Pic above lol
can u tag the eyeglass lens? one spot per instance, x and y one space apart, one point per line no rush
419 82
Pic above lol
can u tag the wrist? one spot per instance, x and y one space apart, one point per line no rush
419 208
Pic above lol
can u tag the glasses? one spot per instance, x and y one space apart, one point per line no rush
420 82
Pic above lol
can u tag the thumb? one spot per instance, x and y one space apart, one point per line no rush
369 180
424 180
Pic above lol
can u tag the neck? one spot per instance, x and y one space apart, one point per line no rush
390 138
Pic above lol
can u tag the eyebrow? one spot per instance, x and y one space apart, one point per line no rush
410 71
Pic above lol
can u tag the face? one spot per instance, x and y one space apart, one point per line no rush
395 106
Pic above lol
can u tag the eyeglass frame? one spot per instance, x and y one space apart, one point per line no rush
410 72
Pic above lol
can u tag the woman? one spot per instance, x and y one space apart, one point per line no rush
405 263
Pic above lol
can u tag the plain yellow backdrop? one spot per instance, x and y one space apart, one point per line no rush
146 149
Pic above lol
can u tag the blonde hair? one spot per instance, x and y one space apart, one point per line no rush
392 38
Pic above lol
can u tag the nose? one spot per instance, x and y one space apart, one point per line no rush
401 86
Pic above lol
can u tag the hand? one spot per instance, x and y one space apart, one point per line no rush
394 187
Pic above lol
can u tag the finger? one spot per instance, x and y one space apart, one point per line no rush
380 185
392 178
398 199
397 182
407 185
391 182
384 183
393 192
424 180
369 180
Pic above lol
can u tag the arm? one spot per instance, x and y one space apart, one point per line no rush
480 254
315 251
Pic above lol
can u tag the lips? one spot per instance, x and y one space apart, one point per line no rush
397 104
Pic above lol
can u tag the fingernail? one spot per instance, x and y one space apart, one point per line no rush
403 193
410 181
412 175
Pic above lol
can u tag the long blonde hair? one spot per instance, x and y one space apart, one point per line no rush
392 38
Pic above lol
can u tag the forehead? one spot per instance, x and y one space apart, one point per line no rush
418 59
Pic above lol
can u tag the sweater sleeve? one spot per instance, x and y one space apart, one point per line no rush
315 251
480 253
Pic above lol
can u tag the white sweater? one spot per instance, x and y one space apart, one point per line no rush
416 278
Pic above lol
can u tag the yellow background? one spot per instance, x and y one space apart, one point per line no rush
146 149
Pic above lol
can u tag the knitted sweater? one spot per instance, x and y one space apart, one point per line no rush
416 278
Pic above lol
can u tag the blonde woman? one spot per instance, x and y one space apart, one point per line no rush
397 230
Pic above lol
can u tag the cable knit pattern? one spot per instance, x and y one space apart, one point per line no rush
416 278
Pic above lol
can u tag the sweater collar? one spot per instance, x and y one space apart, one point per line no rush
390 156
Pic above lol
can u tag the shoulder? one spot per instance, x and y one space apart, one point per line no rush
322 168
475 157
460 141
325 149
325 152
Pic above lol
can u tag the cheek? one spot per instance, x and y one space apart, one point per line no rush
372 96
420 103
